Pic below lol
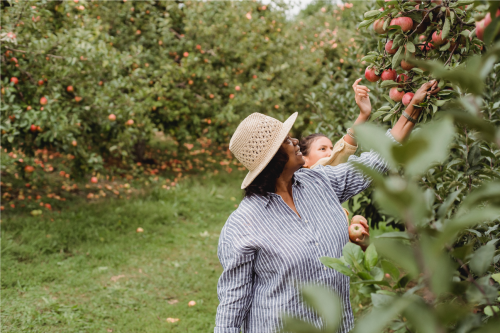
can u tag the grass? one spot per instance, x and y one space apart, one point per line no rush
86 269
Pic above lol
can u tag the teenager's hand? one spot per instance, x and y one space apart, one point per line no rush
425 91
362 98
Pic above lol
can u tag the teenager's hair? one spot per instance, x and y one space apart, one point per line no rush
265 182
305 143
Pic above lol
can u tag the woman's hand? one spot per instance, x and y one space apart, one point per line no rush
359 231
425 91
362 99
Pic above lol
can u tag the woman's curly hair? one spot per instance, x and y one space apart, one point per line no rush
265 182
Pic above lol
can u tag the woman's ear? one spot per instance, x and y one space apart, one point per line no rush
306 165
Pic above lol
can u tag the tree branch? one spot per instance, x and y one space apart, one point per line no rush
37 53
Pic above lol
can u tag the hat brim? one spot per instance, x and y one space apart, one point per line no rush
287 126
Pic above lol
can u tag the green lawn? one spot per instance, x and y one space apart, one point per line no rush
87 270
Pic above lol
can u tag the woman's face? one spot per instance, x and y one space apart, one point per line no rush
321 147
295 159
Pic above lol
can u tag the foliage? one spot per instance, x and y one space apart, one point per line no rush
441 272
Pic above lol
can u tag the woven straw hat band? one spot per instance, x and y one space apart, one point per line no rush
253 138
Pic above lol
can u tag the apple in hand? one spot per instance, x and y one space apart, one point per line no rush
357 233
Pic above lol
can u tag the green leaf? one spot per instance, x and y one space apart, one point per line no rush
489 310
422 317
464 221
482 259
377 115
445 47
365 23
371 13
353 255
491 31
441 131
323 301
388 83
395 235
371 136
337 265
496 277
379 318
397 252
371 257
395 60
445 207
389 268
381 300
326 303
410 47
446 28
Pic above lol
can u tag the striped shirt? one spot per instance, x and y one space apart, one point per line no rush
267 250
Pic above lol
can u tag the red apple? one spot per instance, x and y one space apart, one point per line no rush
437 39
356 232
78 99
43 101
40 82
14 80
396 95
38 128
112 117
129 122
370 75
33 128
100 83
74 143
93 180
389 74
186 54
406 65
388 47
13 59
29 169
28 107
407 98
389 6
237 88
481 25
356 219
69 89
405 23
378 26
402 78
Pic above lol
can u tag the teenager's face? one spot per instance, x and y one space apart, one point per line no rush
295 159
321 147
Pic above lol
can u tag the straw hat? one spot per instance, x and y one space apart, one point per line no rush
256 141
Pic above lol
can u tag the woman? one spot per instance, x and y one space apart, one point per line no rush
290 217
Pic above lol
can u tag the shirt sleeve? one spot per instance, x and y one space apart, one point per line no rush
340 154
347 181
235 288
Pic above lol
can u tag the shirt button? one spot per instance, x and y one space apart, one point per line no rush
307 221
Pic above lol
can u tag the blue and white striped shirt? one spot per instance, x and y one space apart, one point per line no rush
266 250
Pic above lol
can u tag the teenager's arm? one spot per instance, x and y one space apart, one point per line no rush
363 100
403 126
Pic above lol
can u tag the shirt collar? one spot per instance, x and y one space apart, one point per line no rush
265 200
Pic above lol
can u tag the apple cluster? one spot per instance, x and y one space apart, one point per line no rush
421 30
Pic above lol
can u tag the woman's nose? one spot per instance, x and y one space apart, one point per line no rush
295 141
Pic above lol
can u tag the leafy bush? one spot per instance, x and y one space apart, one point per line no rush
441 272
